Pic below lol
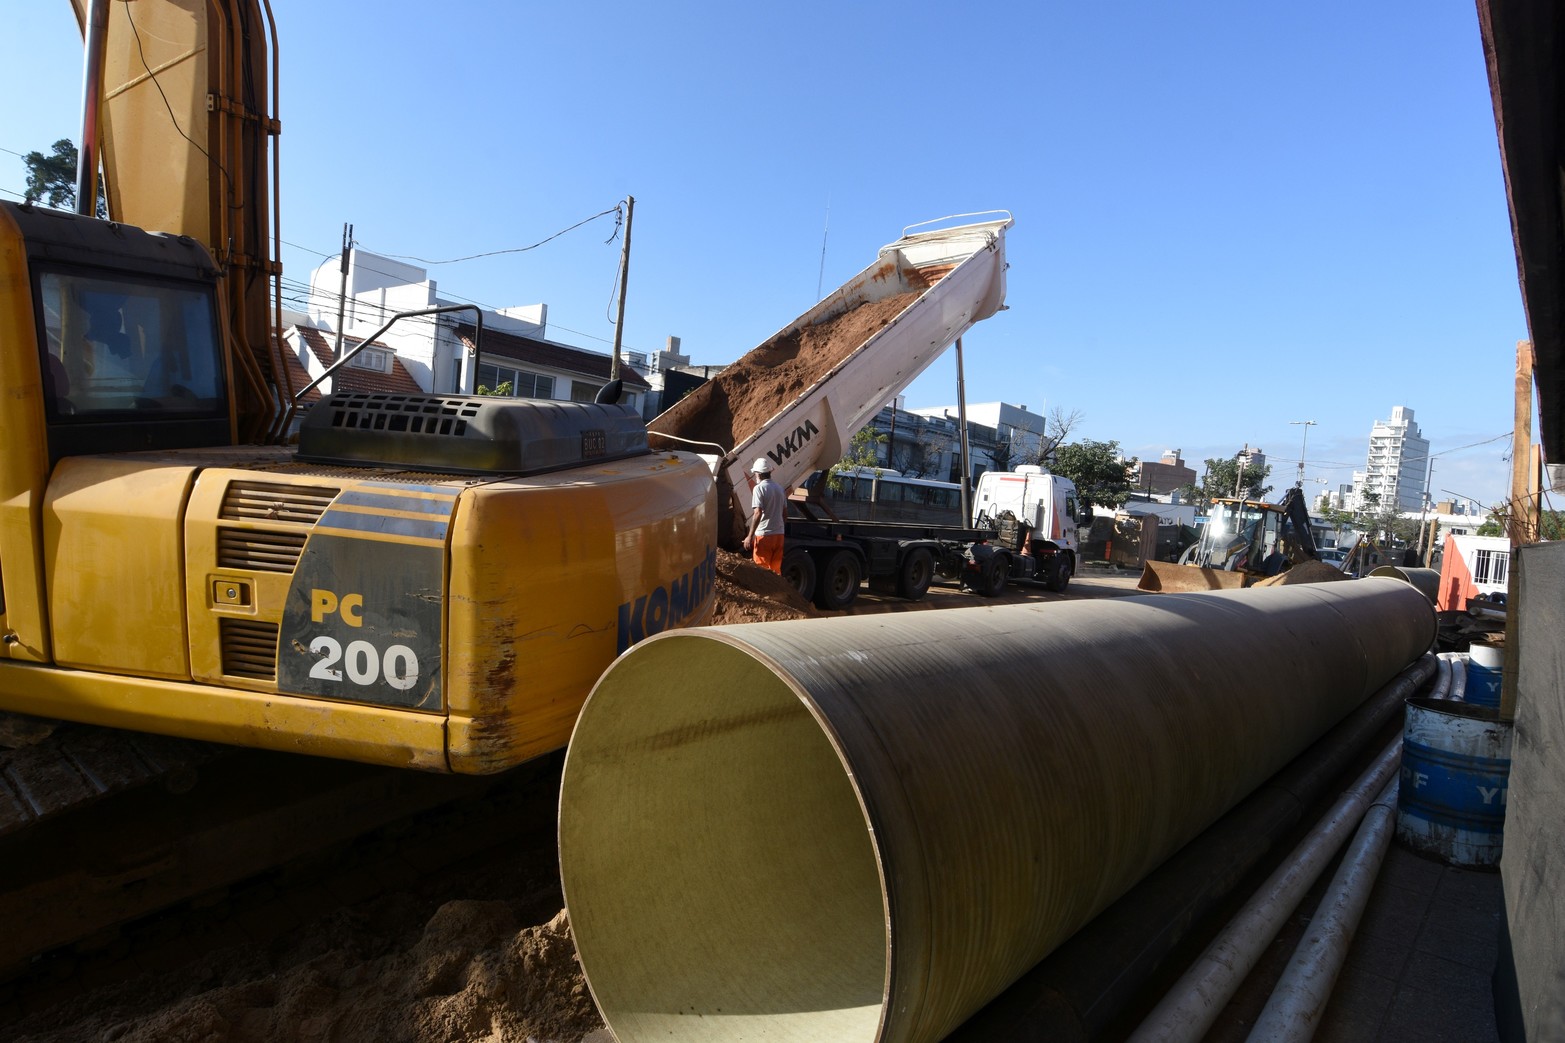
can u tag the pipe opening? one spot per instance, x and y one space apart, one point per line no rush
719 870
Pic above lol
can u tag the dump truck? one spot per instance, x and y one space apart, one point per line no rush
938 283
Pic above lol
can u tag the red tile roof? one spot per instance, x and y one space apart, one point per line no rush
352 378
588 364
298 377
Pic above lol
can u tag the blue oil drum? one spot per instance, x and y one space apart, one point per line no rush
1485 665
1456 762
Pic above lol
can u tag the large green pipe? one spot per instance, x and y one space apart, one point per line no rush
864 828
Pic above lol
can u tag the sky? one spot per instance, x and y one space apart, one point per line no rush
1230 217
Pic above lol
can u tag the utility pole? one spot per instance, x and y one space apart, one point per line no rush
1520 521
1306 424
1425 553
961 415
342 293
624 277
891 444
1523 520
1244 459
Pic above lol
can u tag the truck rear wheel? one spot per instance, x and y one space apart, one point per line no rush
1060 572
989 579
798 568
838 583
915 574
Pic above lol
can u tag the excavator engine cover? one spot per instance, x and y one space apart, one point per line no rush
462 435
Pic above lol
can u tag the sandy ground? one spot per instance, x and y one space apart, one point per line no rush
486 957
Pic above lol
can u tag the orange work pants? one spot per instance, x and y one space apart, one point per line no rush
769 552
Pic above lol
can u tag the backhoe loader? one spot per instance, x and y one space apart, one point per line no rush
1243 541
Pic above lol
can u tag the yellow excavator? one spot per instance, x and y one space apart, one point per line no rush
1243 542
423 580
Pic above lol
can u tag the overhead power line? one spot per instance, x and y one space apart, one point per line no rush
617 210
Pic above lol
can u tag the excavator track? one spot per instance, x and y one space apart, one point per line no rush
54 767
104 827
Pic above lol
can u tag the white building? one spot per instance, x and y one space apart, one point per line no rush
1393 475
1014 426
440 353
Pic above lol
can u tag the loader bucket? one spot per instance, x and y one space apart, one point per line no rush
1167 577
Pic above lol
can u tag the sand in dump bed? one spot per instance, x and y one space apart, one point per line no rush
733 405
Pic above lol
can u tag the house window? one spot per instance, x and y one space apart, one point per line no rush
372 359
518 383
581 391
1490 566
534 385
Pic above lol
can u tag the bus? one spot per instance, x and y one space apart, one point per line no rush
881 494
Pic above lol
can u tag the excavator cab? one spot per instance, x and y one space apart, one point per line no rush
129 354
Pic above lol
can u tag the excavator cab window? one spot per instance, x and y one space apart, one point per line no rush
117 347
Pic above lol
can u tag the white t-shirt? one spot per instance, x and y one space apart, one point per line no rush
773 502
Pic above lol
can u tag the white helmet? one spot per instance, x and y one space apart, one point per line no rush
761 466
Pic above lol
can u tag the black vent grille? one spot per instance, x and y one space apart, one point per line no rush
249 649
413 414
458 435
259 551
268 502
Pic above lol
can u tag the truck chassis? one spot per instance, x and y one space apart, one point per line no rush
825 560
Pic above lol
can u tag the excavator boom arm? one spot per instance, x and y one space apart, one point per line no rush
185 114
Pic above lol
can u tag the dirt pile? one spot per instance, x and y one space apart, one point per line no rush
733 405
747 593
1305 572
470 977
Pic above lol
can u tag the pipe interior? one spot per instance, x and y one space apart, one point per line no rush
725 885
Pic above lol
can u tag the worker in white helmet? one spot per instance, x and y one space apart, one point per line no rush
768 506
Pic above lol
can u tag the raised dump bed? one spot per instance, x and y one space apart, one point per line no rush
800 396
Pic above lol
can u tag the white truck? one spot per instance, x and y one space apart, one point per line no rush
1045 508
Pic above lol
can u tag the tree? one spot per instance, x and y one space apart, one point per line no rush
1100 473
52 178
1056 430
1220 479
1551 524
922 459
1339 518
500 390
1019 450
863 452
1386 525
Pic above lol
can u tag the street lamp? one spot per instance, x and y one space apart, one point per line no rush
1306 424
